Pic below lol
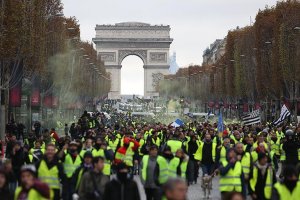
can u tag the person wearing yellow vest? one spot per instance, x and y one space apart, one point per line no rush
50 171
155 140
275 144
86 166
249 143
244 158
231 175
173 163
88 146
184 159
280 133
221 151
261 140
191 147
93 182
174 143
30 187
71 160
289 188
139 138
262 179
113 142
271 156
236 137
36 152
206 155
126 152
101 149
154 173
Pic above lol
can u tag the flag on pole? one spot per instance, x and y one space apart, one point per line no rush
251 118
177 123
283 115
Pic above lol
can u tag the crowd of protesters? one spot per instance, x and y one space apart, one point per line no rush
98 158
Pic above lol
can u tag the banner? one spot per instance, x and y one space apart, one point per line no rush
35 92
15 94
35 98
47 101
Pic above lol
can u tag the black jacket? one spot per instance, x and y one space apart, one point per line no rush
115 190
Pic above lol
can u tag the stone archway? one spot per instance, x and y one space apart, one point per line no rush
150 43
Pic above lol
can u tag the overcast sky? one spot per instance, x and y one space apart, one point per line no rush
194 24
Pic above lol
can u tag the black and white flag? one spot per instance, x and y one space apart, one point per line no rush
285 113
251 118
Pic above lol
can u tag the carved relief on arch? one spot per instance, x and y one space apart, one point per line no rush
156 78
140 53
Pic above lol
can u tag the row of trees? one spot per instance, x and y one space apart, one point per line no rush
41 49
261 62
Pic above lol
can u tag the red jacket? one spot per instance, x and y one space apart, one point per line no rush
123 149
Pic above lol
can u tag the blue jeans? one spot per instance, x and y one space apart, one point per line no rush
207 169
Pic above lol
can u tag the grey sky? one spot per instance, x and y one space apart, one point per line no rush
194 23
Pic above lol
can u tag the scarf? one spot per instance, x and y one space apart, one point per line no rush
262 168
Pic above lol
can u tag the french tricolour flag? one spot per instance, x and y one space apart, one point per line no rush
177 123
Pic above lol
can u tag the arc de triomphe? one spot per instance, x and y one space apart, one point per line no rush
149 42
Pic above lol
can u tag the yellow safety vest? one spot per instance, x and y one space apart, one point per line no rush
255 145
30 159
282 153
279 134
223 154
141 142
157 142
284 192
183 167
128 157
83 151
172 167
246 163
32 151
235 140
275 146
232 180
198 154
49 176
163 168
107 163
269 181
113 144
70 166
174 145
32 194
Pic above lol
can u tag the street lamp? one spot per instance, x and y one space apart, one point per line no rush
232 60
268 42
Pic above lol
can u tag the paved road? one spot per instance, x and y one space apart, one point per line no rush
194 191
